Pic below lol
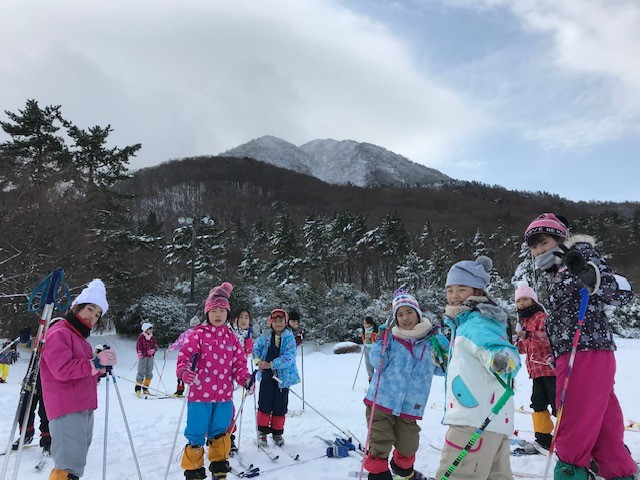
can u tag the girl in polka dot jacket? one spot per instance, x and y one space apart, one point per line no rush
221 360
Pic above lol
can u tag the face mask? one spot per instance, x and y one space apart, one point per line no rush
547 260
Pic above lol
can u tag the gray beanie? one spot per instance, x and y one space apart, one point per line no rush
471 273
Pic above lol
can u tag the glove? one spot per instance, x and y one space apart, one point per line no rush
575 262
250 385
343 442
105 358
140 355
502 363
337 451
440 350
551 361
151 351
189 376
381 330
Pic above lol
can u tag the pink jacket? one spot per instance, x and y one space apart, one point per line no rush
65 370
221 360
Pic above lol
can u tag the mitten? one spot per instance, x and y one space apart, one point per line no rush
502 363
189 376
105 358
150 352
250 385
140 355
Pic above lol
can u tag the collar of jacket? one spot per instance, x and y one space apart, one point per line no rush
580 238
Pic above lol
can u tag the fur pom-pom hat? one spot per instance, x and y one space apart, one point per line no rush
219 298
95 293
524 290
403 299
471 273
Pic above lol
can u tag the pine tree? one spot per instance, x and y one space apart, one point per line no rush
97 164
285 249
479 244
35 152
316 235
412 273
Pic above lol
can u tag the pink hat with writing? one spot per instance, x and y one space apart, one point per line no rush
548 223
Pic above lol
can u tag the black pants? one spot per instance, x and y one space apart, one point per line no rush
45 438
272 399
544 394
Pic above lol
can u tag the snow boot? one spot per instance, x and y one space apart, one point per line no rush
27 440
408 473
219 470
218 452
138 390
278 440
145 386
566 471
61 475
262 439
193 463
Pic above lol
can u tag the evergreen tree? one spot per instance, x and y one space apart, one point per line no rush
479 244
35 152
96 163
412 273
316 235
285 249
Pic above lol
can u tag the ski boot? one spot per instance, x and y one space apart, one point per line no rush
219 470
386 475
45 443
234 449
262 439
62 475
410 472
27 440
278 440
566 471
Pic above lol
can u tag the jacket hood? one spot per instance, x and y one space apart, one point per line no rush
580 238
493 312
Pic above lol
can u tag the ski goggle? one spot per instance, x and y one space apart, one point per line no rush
278 313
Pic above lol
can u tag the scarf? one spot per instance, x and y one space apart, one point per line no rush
147 336
529 311
419 331
78 324
452 311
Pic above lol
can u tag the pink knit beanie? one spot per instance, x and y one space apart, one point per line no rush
523 290
219 297
547 223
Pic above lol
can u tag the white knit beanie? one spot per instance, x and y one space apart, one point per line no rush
95 293
146 326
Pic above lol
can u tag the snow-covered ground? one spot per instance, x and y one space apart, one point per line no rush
328 382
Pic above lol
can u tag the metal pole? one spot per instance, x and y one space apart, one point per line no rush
359 364
193 263
126 424
302 354
106 430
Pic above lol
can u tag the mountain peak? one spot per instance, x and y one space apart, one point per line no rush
339 161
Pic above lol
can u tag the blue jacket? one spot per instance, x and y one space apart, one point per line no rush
471 387
284 367
407 372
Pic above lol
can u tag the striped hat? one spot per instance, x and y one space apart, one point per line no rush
404 299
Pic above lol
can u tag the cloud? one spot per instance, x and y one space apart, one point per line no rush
580 73
192 77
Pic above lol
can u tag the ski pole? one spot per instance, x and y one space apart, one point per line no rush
315 410
126 424
508 392
302 355
149 388
47 291
385 342
582 312
194 364
359 365
159 375
8 346
106 429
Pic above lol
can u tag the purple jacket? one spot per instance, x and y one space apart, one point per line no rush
222 360
65 371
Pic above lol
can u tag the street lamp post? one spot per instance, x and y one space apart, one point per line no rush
189 222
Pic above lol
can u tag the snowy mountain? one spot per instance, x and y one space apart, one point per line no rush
339 162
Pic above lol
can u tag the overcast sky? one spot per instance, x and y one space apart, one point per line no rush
529 94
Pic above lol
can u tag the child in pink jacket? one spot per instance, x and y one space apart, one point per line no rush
69 372
220 360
